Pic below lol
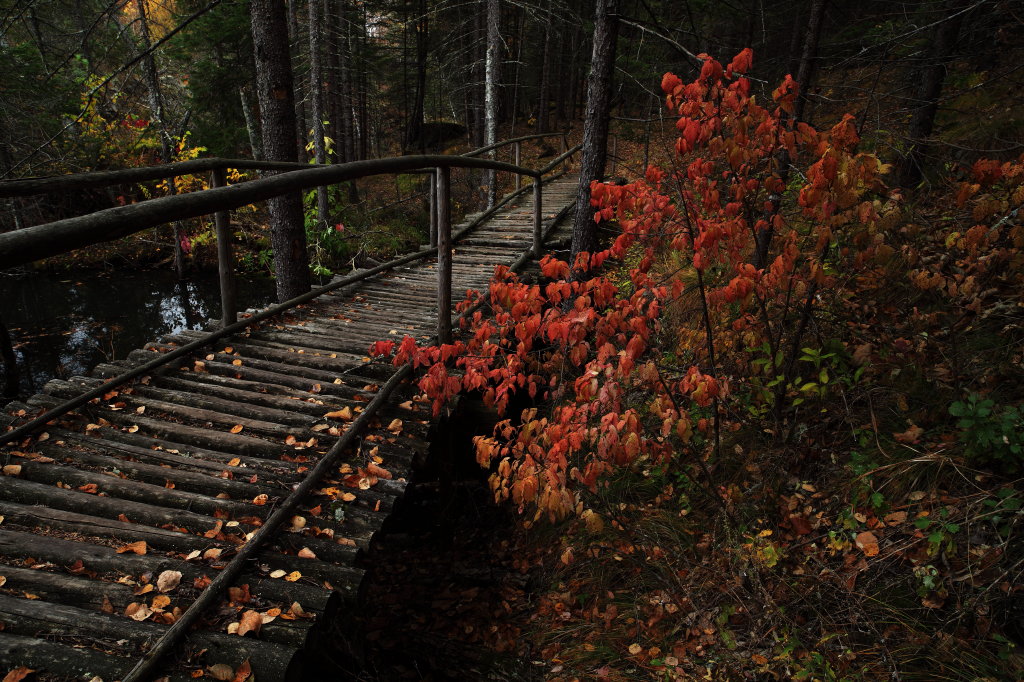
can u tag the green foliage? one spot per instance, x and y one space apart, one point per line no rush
989 435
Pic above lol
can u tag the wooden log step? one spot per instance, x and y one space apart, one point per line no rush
52 473
205 482
64 659
273 472
239 390
100 595
24 617
181 408
106 562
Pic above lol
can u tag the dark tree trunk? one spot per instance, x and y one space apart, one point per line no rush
277 114
491 92
295 36
316 103
543 94
595 127
809 56
10 360
414 130
922 122
156 108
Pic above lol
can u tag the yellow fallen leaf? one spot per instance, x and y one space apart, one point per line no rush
234 461
260 499
237 428
634 649
160 602
293 576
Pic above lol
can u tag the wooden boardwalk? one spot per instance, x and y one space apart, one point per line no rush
114 519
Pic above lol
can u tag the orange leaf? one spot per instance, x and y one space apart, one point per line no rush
18 674
377 471
244 671
250 622
867 543
237 428
307 553
260 499
135 547
293 576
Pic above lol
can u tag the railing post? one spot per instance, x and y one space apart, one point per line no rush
538 235
565 144
433 209
444 257
519 178
615 152
225 257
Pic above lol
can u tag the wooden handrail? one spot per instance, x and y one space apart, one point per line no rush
41 241
514 140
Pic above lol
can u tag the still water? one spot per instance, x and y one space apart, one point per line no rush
63 325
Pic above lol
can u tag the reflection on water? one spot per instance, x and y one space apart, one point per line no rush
64 325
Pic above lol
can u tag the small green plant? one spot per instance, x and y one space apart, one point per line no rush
940 530
990 436
1003 510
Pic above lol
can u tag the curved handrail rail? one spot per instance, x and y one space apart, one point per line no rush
52 183
40 241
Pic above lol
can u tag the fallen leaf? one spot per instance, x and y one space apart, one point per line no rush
867 543
634 649
344 413
307 553
377 471
137 611
277 574
18 674
911 435
160 602
168 580
250 622
12 470
293 576
237 428
244 671
261 499
236 363
90 488
221 671
234 461
395 426
135 547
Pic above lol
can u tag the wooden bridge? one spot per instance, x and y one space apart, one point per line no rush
203 509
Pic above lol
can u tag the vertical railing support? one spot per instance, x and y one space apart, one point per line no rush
225 256
433 209
538 235
519 178
444 256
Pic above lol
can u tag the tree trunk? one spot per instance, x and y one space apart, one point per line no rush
316 103
156 108
922 122
277 113
543 94
414 130
251 123
491 90
595 127
294 38
10 361
808 58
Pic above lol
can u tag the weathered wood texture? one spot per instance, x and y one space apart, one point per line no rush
193 459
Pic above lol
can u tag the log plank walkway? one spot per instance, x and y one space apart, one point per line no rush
114 519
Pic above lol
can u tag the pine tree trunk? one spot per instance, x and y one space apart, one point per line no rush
156 108
251 123
922 122
545 75
491 89
809 56
294 38
595 130
316 103
277 114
